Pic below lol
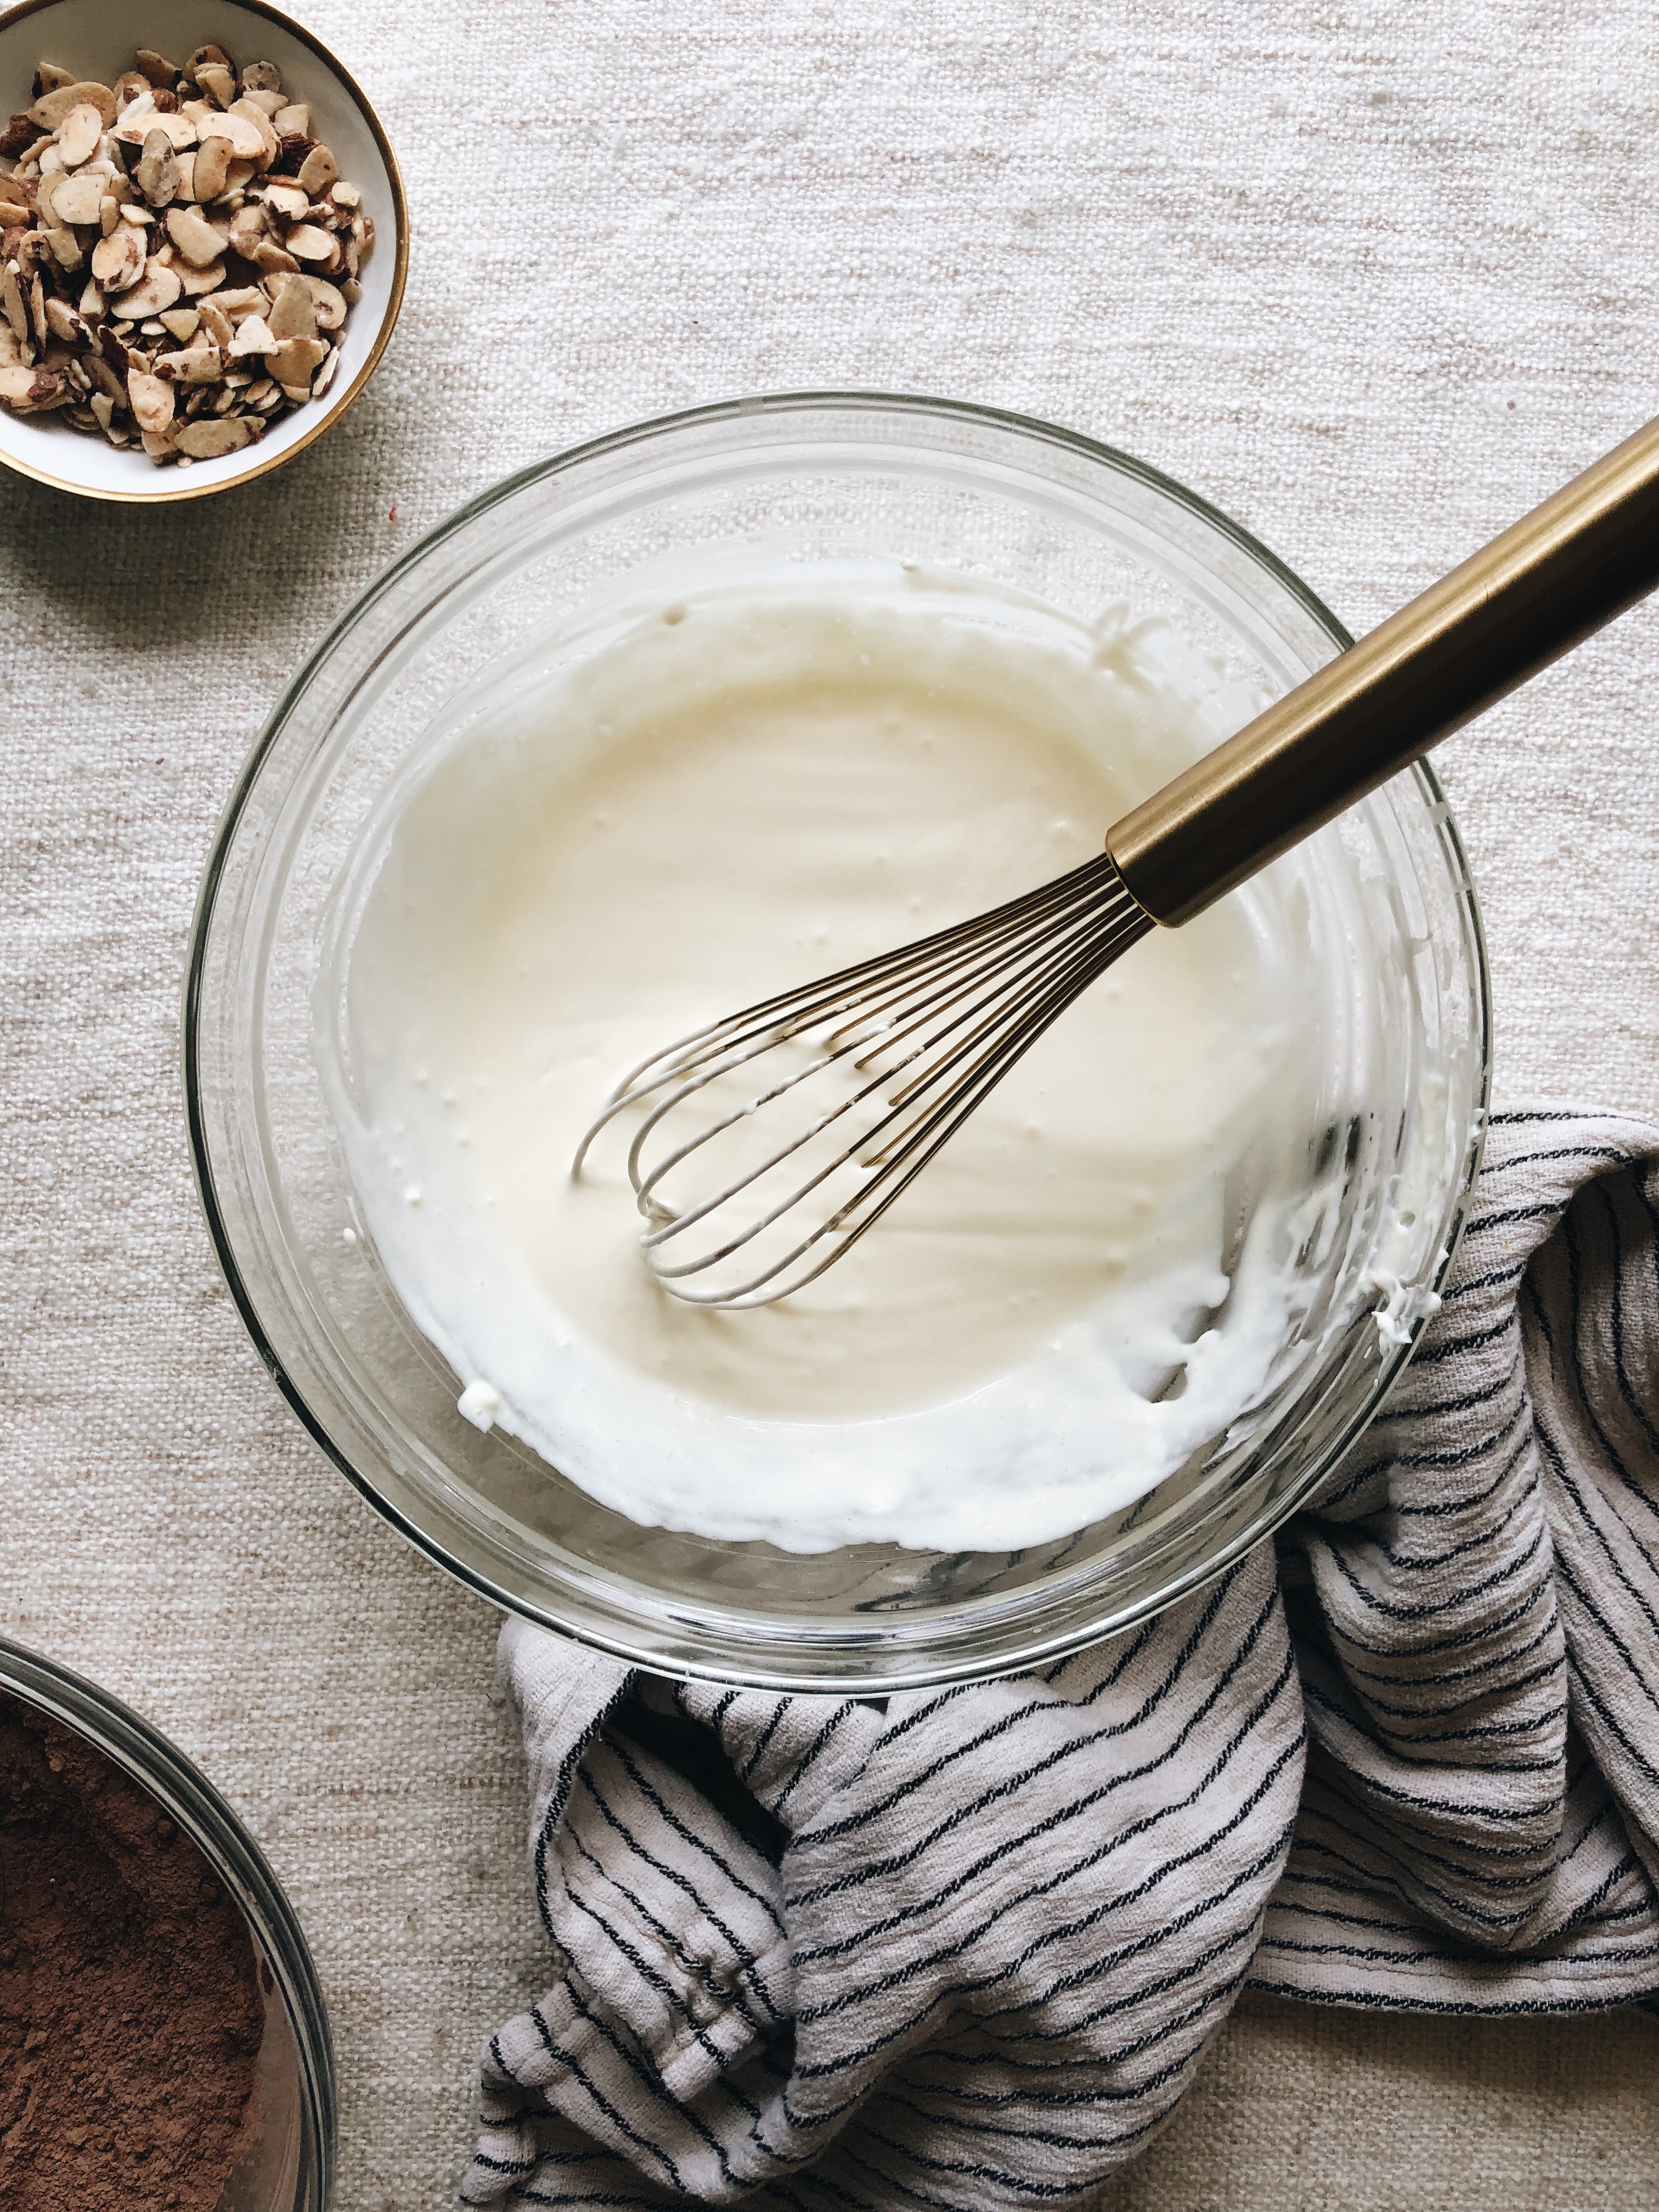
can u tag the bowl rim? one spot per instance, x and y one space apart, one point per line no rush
1046 1642
171 495
141 1752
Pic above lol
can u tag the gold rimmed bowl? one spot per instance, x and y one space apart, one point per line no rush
95 39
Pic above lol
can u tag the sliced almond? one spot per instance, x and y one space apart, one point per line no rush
269 103
307 242
92 305
158 170
196 282
12 300
133 130
182 324
130 85
38 323
12 210
346 196
328 304
254 336
79 132
294 309
238 304
214 322
64 324
217 80
247 230
104 378
139 217
198 364
109 213
66 249
272 258
295 360
262 76
103 408
187 177
319 173
161 445
152 403
212 167
205 54
156 67
292 122
33 390
299 393
18 386
194 236
289 202
245 136
118 260
250 112
50 77
156 290
324 376
78 199
209 439
51 110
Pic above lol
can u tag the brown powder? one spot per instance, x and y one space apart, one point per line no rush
130 2015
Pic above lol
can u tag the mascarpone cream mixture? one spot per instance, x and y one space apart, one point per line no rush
718 797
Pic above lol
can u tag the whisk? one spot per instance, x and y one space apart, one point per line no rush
790 1127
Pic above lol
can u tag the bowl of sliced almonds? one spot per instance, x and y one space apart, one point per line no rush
203 240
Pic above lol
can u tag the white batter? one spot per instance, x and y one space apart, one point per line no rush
730 794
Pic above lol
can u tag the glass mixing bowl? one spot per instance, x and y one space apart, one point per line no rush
804 479
286 2160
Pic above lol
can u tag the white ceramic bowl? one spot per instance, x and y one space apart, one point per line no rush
96 38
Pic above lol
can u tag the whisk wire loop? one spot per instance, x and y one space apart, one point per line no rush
927 1030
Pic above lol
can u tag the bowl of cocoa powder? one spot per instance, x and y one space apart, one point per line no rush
163 2042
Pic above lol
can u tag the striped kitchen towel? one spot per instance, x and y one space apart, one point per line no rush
967 1950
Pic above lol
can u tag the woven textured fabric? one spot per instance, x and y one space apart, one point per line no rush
966 1948
1371 274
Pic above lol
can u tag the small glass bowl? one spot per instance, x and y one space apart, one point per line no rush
288 2162
801 478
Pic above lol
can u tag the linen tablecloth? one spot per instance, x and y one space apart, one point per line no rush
1373 278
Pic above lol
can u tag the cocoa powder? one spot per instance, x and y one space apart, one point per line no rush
130 2014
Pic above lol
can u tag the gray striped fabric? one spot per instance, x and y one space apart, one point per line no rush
968 1950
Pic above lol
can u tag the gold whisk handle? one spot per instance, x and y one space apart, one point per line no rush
1561 571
